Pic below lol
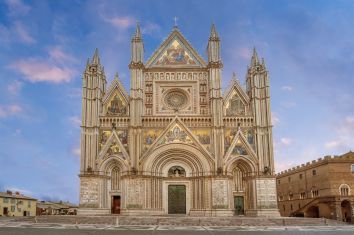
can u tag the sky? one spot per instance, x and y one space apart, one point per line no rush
308 48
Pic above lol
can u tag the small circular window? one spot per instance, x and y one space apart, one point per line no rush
176 99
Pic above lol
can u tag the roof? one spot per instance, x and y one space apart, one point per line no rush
16 196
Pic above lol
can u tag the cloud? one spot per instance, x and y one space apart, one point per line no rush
17 7
286 141
275 119
76 151
35 70
120 22
15 87
283 165
57 54
10 110
287 88
345 136
22 31
75 120
288 104
150 28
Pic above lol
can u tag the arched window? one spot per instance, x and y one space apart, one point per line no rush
344 190
115 178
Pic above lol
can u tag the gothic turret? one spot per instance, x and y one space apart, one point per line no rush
136 96
216 101
93 89
258 90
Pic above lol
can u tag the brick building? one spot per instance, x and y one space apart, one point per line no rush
321 188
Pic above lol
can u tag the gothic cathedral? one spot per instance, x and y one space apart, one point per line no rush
176 144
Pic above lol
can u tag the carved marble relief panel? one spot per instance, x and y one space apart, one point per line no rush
89 192
266 194
135 193
219 192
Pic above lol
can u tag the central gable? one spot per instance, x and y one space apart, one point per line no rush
175 51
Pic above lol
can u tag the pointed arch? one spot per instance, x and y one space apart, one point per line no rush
114 138
240 139
189 157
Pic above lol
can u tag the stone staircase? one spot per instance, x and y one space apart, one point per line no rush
181 220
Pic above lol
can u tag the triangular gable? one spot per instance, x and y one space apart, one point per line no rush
176 132
235 88
113 146
175 51
117 93
116 85
240 146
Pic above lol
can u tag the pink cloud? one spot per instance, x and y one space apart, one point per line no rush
22 31
121 22
76 151
9 110
57 54
43 71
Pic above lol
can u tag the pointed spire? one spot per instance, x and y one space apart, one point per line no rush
87 64
96 57
254 60
213 33
263 62
137 30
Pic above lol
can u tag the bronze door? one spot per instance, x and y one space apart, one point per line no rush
177 199
239 208
116 205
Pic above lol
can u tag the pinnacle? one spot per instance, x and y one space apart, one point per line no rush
137 30
116 76
213 33
254 60
96 57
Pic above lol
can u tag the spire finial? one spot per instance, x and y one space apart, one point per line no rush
137 30
175 19
87 63
254 60
213 33
96 57
116 76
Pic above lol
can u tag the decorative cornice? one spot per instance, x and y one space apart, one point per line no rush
136 65
215 65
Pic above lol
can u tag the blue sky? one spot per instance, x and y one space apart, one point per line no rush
307 45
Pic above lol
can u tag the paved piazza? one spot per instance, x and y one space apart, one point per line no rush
15 228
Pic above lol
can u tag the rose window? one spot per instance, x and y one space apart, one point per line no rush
176 99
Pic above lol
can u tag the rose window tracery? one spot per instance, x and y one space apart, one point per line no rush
176 99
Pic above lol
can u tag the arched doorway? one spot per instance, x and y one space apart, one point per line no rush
313 212
240 170
346 209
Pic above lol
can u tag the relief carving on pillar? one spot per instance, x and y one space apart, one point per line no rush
266 194
135 189
219 191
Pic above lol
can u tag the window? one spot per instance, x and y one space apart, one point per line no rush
18 209
13 208
314 172
353 168
344 190
289 179
6 200
314 193
29 204
300 176
302 195
281 198
20 202
291 196
291 206
278 181
299 206
13 200
284 207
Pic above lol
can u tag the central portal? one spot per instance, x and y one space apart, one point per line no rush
177 199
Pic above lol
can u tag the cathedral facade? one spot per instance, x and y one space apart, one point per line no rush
176 144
